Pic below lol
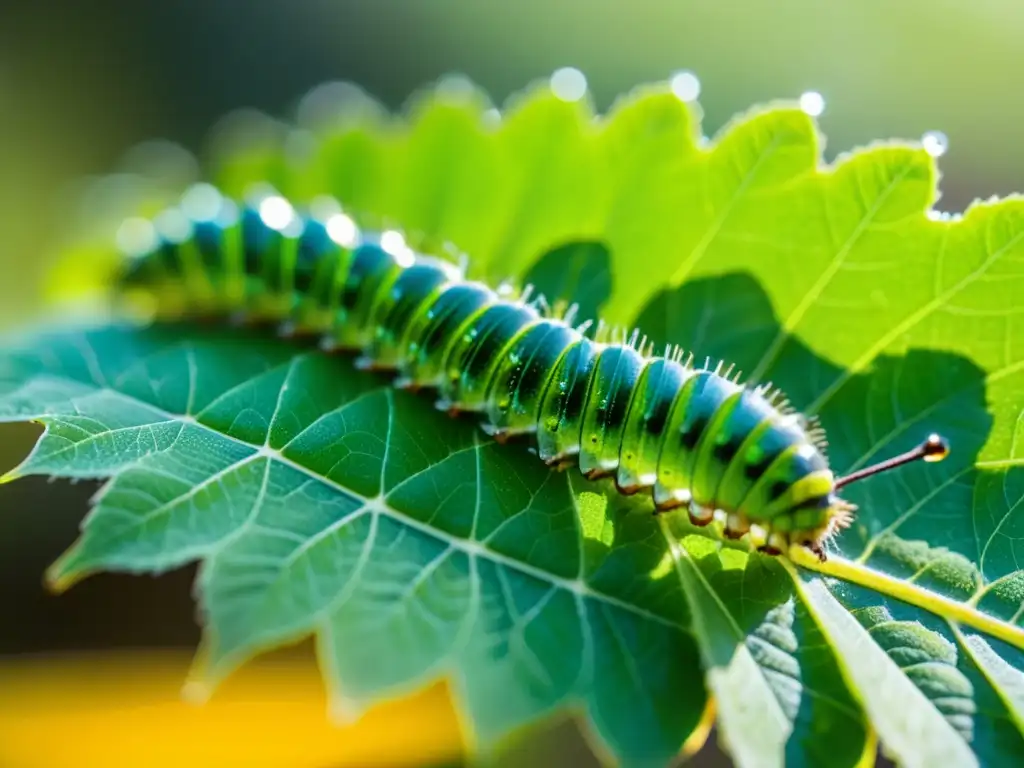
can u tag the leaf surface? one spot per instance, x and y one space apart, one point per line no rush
322 501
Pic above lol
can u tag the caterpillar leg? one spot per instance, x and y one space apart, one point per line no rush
500 436
701 515
668 506
667 500
776 544
817 549
561 463
366 363
736 526
448 407
503 436
406 384
628 490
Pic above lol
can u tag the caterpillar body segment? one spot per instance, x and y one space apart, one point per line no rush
691 436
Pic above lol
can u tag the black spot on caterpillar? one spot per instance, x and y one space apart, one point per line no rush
692 435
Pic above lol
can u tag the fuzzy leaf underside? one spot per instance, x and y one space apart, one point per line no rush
321 501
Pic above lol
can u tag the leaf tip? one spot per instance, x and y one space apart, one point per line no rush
65 572
196 692
344 711
699 736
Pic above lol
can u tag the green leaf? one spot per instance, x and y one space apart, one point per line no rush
322 501
319 500
575 273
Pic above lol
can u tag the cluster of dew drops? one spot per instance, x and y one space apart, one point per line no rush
570 84
566 83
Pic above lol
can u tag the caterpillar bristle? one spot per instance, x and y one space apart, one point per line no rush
577 386
818 441
540 305
773 395
843 514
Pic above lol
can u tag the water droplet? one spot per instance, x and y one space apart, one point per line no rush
935 143
455 87
936 215
569 84
342 230
813 103
201 202
276 212
492 117
136 237
172 225
394 243
227 216
685 85
335 103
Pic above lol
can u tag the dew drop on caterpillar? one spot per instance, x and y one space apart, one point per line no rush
606 401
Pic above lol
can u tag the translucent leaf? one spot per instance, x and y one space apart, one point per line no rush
321 501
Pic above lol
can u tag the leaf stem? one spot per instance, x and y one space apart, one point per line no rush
908 592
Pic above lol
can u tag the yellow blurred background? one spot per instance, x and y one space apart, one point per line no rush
91 678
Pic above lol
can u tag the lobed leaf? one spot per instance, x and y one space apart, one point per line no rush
321 501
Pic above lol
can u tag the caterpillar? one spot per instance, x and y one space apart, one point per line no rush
692 435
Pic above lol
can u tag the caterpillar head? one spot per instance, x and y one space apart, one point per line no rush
835 514
838 513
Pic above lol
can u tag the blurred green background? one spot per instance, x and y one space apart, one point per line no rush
81 82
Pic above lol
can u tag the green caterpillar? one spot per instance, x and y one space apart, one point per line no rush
692 435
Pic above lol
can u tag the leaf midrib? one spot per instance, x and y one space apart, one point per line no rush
963 613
